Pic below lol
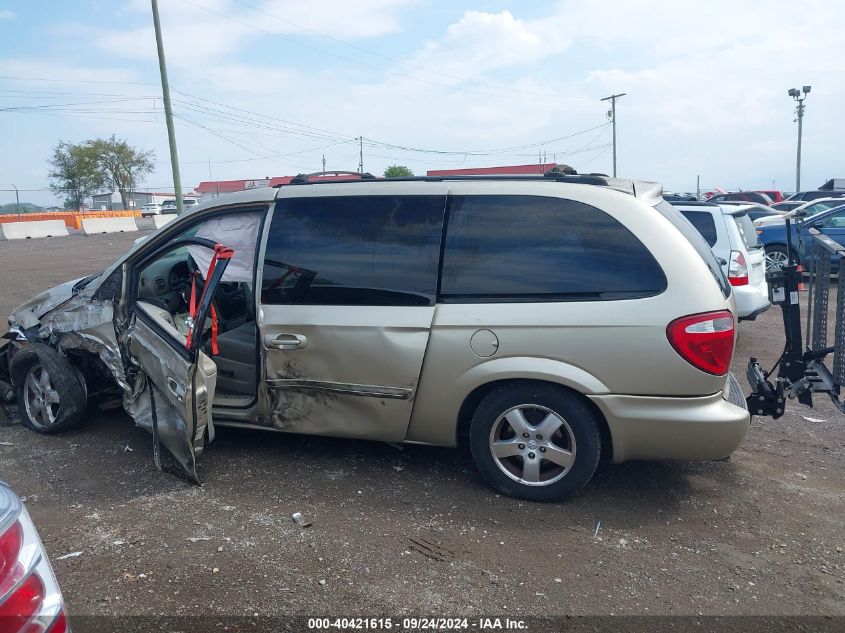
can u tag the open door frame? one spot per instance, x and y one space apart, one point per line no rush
180 378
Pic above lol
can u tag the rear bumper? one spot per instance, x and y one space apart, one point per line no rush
751 301
651 427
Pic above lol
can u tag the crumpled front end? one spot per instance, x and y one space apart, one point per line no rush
69 319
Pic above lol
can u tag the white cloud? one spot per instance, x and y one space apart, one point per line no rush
196 31
6 14
706 85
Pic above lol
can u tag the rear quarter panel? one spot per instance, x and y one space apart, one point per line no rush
593 347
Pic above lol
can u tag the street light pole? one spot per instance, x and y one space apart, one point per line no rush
612 115
168 111
799 96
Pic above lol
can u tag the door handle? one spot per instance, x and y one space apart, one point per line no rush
285 341
176 389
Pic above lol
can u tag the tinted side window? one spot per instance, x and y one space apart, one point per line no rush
704 223
356 250
531 248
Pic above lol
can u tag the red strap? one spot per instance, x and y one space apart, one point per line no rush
214 350
220 252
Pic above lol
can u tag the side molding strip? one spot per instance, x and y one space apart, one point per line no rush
372 391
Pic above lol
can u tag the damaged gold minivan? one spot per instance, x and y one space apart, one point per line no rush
548 321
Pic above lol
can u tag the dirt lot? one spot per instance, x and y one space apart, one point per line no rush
416 530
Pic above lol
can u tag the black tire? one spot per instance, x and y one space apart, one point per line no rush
579 426
778 251
63 383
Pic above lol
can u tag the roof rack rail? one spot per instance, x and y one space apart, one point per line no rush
560 170
302 179
566 174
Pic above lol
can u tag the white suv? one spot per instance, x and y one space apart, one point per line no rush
731 234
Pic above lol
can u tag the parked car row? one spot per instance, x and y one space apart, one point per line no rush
168 206
729 231
826 215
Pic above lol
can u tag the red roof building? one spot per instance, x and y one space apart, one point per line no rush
212 188
508 170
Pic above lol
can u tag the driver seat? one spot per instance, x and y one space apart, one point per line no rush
236 362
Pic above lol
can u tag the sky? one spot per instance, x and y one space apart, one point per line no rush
268 87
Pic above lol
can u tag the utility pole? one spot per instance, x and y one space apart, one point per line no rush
168 111
17 203
797 95
612 115
324 163
360 139
698 187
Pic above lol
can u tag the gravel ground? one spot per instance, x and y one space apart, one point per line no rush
416 531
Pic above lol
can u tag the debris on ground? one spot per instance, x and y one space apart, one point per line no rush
596 531
300 520
6 444
194 539
71 555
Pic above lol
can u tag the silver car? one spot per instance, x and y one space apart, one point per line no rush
548 322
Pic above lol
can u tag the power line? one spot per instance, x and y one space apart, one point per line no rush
80 81
252 121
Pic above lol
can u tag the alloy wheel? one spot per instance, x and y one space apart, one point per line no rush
41 400
532 445
775 260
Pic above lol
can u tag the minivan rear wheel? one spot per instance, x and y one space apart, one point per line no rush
535 441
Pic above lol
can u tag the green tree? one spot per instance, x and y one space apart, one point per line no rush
397 171
74 173
121 164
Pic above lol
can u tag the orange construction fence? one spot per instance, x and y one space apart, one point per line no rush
72 219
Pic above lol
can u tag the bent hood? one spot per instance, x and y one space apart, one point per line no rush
29 313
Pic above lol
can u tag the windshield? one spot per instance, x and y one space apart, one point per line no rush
813 209
695 238
747 231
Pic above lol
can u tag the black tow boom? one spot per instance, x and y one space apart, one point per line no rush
801 368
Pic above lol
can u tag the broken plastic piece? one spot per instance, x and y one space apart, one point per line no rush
300 520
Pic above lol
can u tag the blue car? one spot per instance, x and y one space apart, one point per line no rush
773 236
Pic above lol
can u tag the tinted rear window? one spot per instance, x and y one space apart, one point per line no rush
355 250
688 231
704 224
531 248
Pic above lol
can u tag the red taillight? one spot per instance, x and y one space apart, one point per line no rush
59 625
10 547
737 269
24 603
30 599
705 341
